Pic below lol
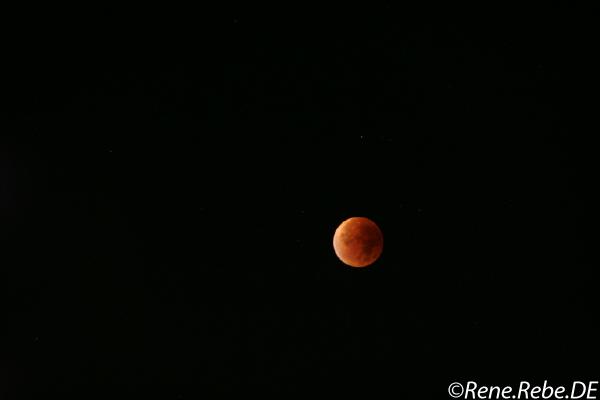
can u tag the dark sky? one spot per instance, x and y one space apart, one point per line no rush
169 192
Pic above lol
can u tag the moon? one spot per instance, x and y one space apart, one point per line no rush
358 242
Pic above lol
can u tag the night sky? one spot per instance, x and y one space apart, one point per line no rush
169 194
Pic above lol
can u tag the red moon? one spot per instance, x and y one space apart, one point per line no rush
358 242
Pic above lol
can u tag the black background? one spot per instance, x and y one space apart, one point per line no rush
170 190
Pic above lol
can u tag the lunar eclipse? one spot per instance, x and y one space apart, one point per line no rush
358 242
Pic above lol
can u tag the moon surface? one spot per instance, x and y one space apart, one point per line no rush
358 242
